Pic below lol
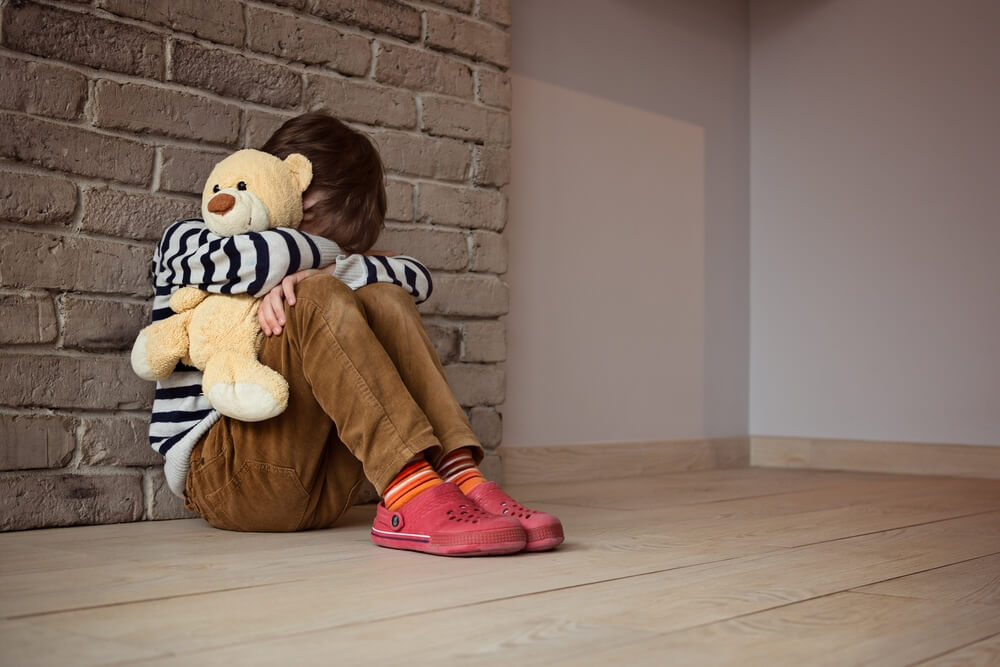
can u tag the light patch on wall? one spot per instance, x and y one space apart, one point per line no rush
606 233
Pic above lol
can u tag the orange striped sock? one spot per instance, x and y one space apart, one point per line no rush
459 467
416 477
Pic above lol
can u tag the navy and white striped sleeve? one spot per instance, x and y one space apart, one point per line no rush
253 263
358 270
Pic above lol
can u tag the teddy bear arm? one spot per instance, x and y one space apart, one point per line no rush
160 346
186 298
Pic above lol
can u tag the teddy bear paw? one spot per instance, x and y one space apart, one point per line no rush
140 357
245 401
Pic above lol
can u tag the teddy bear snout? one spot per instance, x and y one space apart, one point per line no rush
221 203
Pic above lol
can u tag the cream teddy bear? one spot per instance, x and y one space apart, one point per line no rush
249 191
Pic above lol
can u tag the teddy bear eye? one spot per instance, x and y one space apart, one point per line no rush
242 185
216 188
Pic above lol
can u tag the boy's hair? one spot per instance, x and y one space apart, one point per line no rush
347 174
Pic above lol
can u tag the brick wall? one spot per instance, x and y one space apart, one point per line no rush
112 112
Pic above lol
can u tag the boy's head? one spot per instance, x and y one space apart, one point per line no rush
346 200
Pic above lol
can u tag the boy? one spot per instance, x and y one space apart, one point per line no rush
368 396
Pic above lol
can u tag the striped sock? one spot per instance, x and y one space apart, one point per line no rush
459 467
416 477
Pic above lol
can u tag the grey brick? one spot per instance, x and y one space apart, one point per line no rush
416 155
470 295
493 88
260 125
29 500
399 196
497 11
50 261
133 216
464 120
388 16
35 198
234 75
165 505
147 109
447 340
99 324
421 70
82 38
36 441
467 37
117 441
217 21
476 384
96 383
27 319
489 253
74 149
435 248
464 207
458 5
492 466
185 170
362 102
487 425
492 166
485 341
308 42
41 88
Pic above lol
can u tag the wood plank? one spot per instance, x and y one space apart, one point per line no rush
646 560
572 463
561 587
843 629
985 653
26 644
192 558
690 488
911 458
677 599
449 638
975 581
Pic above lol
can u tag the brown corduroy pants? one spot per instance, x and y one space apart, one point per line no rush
366 394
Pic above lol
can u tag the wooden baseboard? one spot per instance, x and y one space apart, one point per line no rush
578 463
910 458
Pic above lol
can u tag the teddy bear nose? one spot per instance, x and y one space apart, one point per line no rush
221 203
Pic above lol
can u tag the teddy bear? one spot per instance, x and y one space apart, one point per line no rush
248 191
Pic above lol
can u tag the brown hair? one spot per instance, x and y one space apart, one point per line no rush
347 176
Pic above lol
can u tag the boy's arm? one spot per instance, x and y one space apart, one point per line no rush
191 255
360 270
355 271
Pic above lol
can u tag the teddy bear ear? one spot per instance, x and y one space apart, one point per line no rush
302 168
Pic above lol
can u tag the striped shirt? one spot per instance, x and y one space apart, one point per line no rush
253 263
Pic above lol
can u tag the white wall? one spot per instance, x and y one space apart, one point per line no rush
875 220
628 227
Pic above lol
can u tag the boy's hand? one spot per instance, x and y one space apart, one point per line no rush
271 313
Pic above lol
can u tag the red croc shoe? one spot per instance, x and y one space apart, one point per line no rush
443 522
544 531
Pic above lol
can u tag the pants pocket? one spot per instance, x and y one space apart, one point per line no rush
259 497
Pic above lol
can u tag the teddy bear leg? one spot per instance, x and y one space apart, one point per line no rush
241 387
159 347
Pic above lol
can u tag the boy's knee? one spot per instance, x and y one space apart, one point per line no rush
324 288
386 297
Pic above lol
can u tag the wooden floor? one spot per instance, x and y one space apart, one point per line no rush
741 567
